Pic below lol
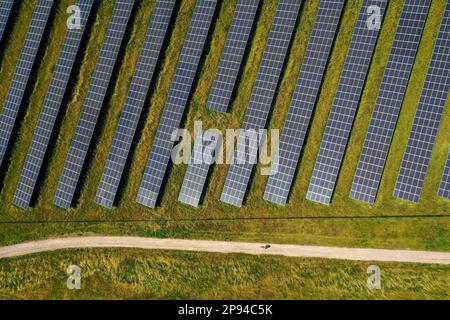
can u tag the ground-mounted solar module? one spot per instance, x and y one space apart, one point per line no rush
22 73
232 55
50 109
170 121
203 156
261 101
444 187
345 104
427 119
93 103
5 11
304 100
134 103
390 99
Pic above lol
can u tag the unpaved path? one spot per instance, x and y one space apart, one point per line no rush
226 247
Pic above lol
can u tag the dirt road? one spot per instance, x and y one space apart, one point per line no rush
226 247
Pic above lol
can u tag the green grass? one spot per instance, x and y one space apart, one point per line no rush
412 233
138 274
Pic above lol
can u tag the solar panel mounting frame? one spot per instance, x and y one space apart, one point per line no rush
260 105
345 105
50 109
158 161
389 103
206 147
417 156
444 186
93 103
22 73
304 100
5 13
232 55
132 109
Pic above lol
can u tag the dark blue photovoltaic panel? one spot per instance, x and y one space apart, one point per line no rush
50 109
261 100
22 73
304 100
158 161
203 156
233 52
5 10
345 105
390 99
444 187
134 103
93 103
427 119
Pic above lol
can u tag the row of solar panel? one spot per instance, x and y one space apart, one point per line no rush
337 130
5 11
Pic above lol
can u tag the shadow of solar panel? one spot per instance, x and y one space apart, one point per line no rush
444 187
262 97
304 100
134 103
390 99
345 105
22 73
50 109
158 161
204 154
5 11
232 55
93 103
427 119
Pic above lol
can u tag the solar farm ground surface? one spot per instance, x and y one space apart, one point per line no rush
318 224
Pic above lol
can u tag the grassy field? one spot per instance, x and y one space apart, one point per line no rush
137 274
172 218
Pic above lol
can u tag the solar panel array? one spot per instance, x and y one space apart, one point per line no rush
207 144
345 105
261 100
50 109
93 103
444 187
5 10
203 156
176 102
22 73
427 120
390 99
134 103
304 100
232 55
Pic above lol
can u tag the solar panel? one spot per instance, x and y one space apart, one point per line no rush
232 55
304 100
176 102
22 73
444 187
205 150
390 99
50 109
5 10
134 103
261 100
427 120
93 103
345 105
